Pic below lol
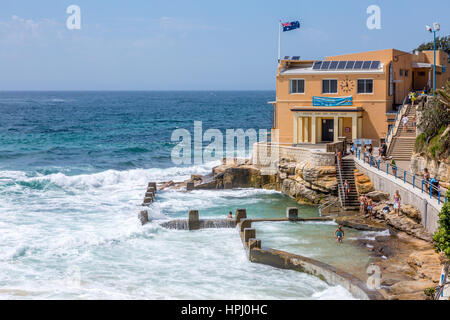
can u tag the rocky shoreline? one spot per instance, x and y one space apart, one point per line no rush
406 257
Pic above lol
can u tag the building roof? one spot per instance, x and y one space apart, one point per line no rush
299 70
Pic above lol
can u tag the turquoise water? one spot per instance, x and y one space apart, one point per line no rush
73 171
316 240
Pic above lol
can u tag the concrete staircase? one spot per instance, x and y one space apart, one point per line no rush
402 145
347 172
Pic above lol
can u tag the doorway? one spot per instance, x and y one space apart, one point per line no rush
327 130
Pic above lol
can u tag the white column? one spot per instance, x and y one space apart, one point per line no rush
306 129
295 134
360 124
341 127
313 129
336 128
300 129
354 127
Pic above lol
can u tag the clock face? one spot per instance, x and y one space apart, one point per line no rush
347 85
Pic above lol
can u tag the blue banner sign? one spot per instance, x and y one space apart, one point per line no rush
328 102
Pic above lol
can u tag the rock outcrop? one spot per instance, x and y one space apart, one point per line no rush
302 181
305 182
438 169
363 183
378 195
408 221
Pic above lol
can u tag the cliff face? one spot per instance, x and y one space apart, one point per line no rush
307 183
438 169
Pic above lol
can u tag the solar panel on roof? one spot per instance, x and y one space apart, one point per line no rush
296 58
317 65
350 65
333 65
366 64
375 65
358 65
325 65
341 65
286 57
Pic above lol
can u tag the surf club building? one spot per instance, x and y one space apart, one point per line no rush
352 95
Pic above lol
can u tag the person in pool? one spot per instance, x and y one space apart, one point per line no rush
230 215
339 234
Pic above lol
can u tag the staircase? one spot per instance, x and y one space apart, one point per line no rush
402 145
347 172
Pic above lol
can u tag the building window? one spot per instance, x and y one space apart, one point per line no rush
329 86
365 86
297 86
406 73
401 72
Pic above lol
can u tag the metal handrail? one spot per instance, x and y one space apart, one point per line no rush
341 196
393 130
326 205
407 177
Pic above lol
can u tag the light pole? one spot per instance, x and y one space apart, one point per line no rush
436 27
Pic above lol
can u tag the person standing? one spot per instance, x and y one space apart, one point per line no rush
339 234
362 201
370 208
346 188
339 157
397 200
405 121
413 98
426 178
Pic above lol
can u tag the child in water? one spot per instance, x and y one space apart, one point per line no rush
339 234
230 215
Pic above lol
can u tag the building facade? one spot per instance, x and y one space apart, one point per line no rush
352 95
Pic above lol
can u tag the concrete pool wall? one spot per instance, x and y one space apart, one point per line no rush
277 258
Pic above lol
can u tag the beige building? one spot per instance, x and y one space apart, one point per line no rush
352 95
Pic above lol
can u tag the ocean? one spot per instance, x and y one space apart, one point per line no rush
73 171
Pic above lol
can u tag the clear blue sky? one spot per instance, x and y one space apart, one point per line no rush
191 45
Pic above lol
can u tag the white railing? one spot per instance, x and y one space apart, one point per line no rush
341 190
393 130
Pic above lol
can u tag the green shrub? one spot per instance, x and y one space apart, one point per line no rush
430 292
420 142
442 236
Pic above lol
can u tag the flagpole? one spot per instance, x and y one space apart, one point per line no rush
279 41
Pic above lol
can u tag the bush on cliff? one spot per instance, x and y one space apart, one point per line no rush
434 124
442 236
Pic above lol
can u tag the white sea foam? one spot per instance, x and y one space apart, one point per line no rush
89 223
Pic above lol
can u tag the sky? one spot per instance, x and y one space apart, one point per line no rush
192 45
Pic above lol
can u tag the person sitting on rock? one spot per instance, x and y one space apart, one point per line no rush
339 234
230 215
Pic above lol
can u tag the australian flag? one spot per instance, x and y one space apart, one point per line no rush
288 26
